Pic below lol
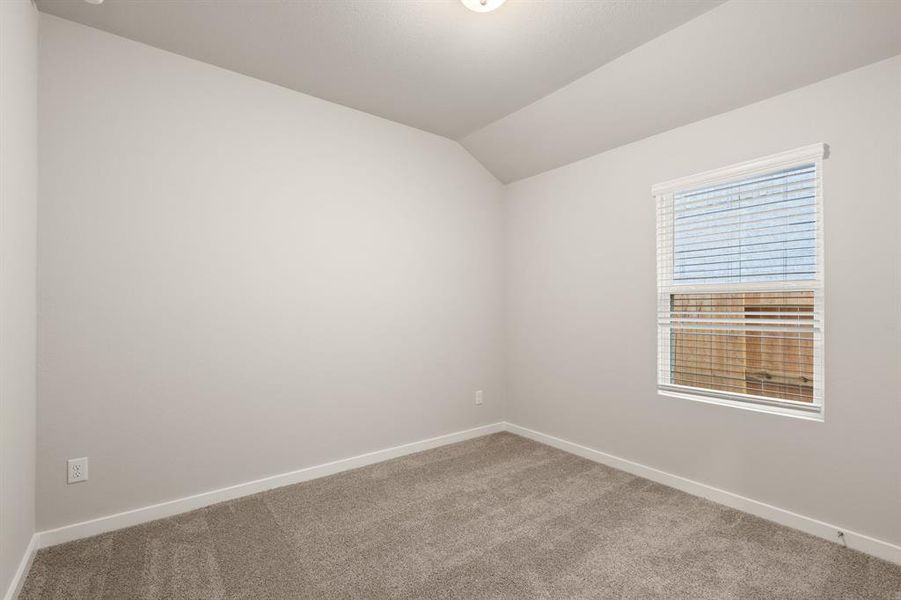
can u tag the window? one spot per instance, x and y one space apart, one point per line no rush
740 285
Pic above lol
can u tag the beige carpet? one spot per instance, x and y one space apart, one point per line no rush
496 517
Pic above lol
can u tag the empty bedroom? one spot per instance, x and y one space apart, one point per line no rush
450 299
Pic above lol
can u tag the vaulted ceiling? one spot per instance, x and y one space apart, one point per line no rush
531 86
736 54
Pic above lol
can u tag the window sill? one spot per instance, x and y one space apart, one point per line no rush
807 413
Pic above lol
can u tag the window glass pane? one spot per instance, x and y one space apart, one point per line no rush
758 343
758 229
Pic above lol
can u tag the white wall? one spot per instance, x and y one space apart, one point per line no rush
581 310
18 206
237 280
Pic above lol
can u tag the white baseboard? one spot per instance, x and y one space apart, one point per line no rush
857 541
144 514
18 580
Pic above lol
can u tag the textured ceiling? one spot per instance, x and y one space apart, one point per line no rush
432 64
532 86
736 54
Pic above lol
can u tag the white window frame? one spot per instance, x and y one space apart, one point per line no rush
663 193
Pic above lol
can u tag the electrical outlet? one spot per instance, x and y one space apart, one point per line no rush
479 399
78 469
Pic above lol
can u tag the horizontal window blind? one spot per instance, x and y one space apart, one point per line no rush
739 273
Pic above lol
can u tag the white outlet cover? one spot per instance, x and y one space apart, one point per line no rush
77 469
479 397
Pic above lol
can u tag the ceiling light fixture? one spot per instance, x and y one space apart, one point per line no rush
482 6
94 1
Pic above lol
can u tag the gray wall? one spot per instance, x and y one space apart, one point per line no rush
581 308
237 280
18 202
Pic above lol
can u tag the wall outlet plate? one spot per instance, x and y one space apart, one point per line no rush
479 398
77 469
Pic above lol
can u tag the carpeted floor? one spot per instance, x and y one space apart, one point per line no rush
496 517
